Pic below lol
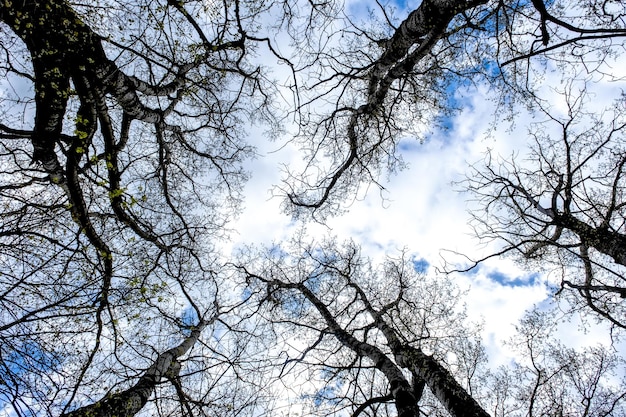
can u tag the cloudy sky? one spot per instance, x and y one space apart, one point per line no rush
422 210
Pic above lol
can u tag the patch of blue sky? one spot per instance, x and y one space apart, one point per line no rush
246 294
276 252
21 360
30 356
293 304
509 281
491 67
329 394
327 373
397 9
409 145
326 394
188 318
420 265
358 9
407 5
457 97
459 93
552 288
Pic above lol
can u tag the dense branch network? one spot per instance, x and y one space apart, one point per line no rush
130 401
376 95
361 132
568 207
130 167
333 282
121 154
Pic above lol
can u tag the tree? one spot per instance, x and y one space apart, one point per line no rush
352 338
549 378
121 167
395 76
565 204
359 324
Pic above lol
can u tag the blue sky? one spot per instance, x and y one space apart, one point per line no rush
26 356
421 209
360 9
188 318
420 265
514 281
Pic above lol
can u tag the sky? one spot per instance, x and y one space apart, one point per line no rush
423 210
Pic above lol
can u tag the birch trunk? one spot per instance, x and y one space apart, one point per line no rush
129 402
442 384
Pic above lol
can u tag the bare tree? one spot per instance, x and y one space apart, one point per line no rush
392 78
121 165
564 205
548 378
372 335
130 401
353 338
120 168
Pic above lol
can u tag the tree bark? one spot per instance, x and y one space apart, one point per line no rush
601 239
426 370
64 48
441 382
405 401
129 402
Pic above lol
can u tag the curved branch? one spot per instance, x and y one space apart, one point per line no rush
406 403
370 402
421 30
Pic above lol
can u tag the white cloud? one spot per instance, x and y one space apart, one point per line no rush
421 210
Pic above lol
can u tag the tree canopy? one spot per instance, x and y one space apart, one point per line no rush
124 139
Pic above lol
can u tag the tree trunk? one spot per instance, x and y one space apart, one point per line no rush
442 384
601 239
63 47
129 402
